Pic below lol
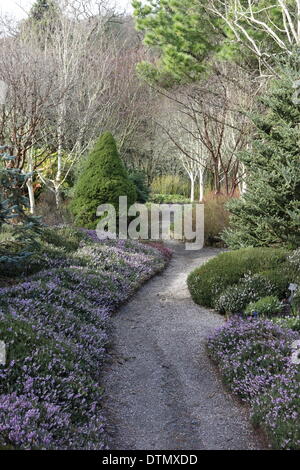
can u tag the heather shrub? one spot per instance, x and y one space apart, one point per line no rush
56 247
294 259
55 395
254 357
291 322
64 237
166 252
266 306
56 326
280 278
235 298
207 282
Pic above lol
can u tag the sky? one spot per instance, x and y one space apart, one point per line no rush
18 8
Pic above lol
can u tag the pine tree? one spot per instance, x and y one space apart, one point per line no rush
184 33
269 212
103 180
42 9
42 20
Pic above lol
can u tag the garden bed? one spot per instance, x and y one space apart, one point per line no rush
55 323
255 360
254 349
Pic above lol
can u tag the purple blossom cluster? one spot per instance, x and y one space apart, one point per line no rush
55 324
255 360
162 248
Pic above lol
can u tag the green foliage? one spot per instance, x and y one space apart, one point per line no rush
54 244
42 20
42 9
207 282
102 181
269 211
183 32
63 237
280 278
170 184
263 11
235 298
168 199
266 306
14 212
216 219
294 261
138 178
296 301
291 322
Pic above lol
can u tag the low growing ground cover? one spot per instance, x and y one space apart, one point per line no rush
254 349
255 360
55 323
208 282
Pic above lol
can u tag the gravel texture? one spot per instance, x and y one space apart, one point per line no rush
162 392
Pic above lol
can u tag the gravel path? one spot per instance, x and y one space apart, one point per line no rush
162 392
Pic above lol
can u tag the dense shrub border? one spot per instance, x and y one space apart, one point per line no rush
254 349
55 324
254 357
208 281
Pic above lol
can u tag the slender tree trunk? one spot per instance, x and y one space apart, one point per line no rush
57 197
29 184
192 187
243 184
217 183
31 195
58 176
201 185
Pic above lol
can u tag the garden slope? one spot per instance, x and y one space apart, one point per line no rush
55 325
161 390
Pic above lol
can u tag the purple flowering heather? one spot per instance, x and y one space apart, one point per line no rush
55 324
255 360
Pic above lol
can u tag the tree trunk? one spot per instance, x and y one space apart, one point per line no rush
192 188
57 197
59 153
217 183
201 185
31 196
29 183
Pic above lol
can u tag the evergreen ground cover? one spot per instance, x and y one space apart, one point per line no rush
55 323
254 349
255 359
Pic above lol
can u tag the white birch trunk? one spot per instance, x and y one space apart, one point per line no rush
31 196
192 187
201 185
29 184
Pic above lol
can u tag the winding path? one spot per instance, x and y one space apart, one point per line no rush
162 392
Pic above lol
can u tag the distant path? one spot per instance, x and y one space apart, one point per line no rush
161 390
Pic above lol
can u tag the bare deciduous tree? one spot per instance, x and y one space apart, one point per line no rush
250 21
24 118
